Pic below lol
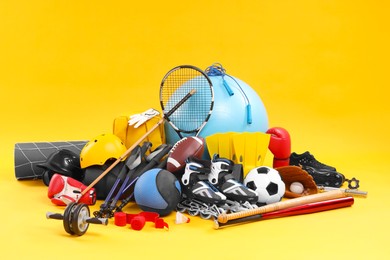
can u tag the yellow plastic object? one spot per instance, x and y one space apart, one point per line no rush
129 135
220 143
246 148
101 148
250 149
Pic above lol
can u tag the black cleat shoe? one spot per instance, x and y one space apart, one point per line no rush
323 177
307 159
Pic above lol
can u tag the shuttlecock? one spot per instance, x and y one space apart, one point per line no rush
181 218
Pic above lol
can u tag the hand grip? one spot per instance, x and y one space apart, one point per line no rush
249 114
227 87
54 215
101 221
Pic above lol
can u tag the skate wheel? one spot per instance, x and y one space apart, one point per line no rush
205 216
221 211
180 208
192 212
79 215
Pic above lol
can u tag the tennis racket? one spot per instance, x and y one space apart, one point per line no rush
192 116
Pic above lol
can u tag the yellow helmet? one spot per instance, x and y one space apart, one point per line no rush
98 150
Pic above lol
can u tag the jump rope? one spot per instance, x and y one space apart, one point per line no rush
216 69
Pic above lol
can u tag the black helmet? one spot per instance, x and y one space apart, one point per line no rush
64 162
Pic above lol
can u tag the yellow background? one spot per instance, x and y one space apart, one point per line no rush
68 68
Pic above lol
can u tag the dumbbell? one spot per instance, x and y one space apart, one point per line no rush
76 218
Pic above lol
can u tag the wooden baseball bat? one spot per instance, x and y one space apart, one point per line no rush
297 210
334 194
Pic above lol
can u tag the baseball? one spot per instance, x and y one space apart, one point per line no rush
296 187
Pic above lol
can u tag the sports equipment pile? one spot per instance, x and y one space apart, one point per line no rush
217 176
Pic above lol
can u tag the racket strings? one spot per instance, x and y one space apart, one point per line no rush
194 112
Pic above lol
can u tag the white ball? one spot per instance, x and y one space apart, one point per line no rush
267 183
296 187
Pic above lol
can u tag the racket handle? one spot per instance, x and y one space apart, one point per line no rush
228 89
249 114
175 107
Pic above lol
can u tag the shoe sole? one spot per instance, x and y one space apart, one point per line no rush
325 178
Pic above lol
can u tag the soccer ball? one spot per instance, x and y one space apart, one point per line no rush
267 183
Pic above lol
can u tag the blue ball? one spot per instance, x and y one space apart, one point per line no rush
157 190
230 112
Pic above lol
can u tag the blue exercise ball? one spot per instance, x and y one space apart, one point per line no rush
157 190
230 112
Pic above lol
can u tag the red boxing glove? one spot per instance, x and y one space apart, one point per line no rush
280 146
63 188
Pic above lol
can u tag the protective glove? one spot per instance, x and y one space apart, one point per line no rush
63 188
290 174
139 119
